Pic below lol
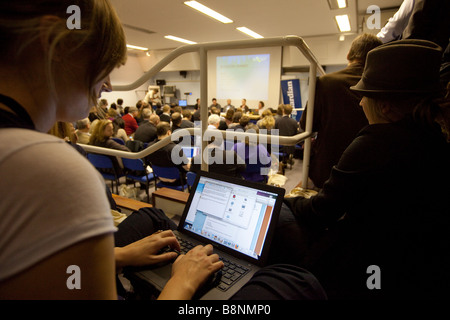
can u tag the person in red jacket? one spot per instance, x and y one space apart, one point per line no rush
131 124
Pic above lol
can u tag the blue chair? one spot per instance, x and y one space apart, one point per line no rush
132 167
169 173
118 140
190 177
104 164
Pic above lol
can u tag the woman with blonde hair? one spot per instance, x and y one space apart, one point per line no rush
60 229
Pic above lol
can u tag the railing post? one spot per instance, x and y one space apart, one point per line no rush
203 102
309 123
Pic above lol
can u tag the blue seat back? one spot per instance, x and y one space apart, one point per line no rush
166 172
133 164
100 161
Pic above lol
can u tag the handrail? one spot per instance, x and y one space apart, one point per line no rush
202 49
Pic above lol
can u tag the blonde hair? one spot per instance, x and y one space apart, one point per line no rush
98 133
101 36
63 130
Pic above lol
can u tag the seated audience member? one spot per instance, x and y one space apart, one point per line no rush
140 118
165 115
369 218
337 117
163 157
244 120
255 155
221 161
213 121
119 129
176 121
131 124
287 126
186 121
235 121
279 112
267 121
82 132
229 117
102 134
147 130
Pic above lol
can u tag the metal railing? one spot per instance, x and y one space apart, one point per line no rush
202 49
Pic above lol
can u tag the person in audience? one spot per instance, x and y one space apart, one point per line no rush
163 157
244 120
229 117
369 232
337 117
102 134
82 131
255 155
35 256
165 116
131 124
220 161
120 106
119 129
213 121
36 53
176 121
186 121
147 130
236 117
287 126
267 121
279 112
111 114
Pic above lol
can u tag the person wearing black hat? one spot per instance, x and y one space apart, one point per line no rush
380 227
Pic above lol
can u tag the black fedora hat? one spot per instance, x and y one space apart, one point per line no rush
401 67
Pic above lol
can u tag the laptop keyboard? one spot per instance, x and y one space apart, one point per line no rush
231 272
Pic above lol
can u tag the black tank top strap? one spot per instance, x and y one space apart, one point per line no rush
19 119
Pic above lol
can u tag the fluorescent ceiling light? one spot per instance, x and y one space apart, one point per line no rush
180 39
343 23
342 4
203 9
337 4
129 46
250 32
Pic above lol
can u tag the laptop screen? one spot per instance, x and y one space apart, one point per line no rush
182 103
190 152
230 214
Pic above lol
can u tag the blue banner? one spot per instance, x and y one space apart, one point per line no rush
291 95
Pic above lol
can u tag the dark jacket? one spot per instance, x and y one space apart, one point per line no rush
337 119
387 204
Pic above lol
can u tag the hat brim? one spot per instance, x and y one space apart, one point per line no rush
363 89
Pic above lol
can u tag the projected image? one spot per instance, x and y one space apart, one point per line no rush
243 76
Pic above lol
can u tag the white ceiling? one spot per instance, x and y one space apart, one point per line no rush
270 18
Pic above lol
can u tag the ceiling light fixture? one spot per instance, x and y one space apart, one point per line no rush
343 23
129 46
204 9
337 4
250 32
180 39
342 4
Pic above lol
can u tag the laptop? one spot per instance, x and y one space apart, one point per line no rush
182 103
238 218
190 152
